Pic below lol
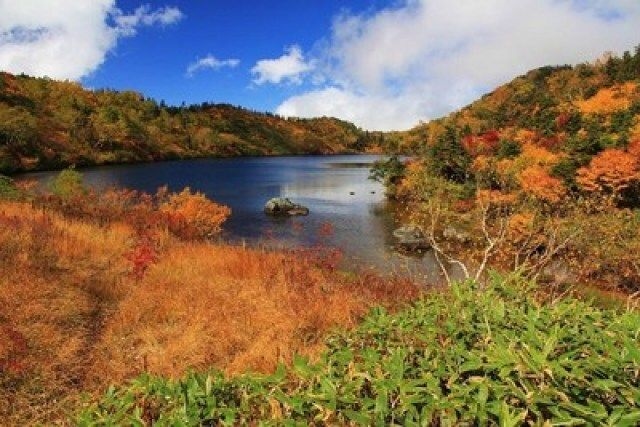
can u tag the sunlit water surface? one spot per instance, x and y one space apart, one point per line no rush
347 210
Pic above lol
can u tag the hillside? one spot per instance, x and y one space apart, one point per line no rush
551 106
52 124
541 175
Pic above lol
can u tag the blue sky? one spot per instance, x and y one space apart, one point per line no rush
380 64
155 61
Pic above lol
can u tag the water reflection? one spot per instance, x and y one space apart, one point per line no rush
334 188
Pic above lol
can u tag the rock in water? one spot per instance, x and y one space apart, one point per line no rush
411 237
282 206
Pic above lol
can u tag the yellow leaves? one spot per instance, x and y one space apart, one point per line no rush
540 156
524 136
481 164
505 166
413 179
608 100
611 171
537 182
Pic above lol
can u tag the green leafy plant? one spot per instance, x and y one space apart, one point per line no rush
67 183
492 355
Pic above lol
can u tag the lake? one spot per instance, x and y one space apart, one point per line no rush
347 210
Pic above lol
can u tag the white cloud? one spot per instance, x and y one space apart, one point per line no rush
290 67
423 59
143 15
212 62
67 39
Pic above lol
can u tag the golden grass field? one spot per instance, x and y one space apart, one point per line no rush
75 318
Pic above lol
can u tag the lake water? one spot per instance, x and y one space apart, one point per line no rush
347 210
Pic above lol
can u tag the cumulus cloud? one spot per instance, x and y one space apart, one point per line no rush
211 62
423 59
68 39
290 67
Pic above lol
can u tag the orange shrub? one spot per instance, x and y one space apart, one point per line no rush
192 215
532 154
610 172
537 182
495 197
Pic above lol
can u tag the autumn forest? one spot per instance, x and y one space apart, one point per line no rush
119 307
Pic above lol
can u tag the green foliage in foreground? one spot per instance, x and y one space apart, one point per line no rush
493 356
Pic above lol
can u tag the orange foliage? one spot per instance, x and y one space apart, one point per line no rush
414 176
495 197
634 149
608 100
610 172
520 225
537 182
504 166
524 136
532 154
192 215
481 164
73 318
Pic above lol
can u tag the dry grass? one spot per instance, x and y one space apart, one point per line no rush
73 318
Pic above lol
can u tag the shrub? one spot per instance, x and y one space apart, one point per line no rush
191 215
388 172
67 183
612 172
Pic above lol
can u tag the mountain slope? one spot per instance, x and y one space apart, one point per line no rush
549 163
554 103
50 124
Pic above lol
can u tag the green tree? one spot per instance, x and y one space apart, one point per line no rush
448 159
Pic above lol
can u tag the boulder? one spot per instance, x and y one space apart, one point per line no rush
410 237
282 206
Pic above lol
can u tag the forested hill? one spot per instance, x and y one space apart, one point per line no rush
579 110
51 124
555 152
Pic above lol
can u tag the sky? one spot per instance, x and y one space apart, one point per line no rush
382 64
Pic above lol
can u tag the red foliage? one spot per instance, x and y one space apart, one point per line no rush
549 142
142 256
491 137
485 143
